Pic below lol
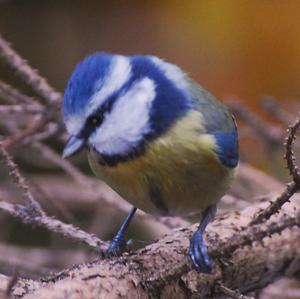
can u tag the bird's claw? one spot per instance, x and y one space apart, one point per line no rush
118 246
198 254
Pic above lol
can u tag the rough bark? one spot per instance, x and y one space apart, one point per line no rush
163 270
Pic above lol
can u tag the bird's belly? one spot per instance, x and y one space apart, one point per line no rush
169 185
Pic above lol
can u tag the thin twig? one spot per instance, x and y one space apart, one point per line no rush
232 293
38 125
258 232
31 108
20 181
262 129
13 95
30 76
289 155
42 129
50 130
275 205
52 156
273 108
56 204
55 226
292 187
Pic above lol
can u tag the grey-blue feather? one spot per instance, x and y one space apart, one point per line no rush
218 122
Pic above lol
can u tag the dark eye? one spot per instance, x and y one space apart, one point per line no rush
95 120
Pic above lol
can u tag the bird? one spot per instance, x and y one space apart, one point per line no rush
155 136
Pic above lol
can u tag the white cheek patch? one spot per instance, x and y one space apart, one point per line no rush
127 123
173 73
120 73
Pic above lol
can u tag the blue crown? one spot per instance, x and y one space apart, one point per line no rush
81 85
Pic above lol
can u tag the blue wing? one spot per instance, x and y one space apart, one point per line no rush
228 148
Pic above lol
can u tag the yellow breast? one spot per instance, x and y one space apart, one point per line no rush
179 172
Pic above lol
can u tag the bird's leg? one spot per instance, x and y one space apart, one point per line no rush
119 245
198 250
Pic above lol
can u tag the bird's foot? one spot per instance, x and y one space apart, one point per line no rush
198 254
118 246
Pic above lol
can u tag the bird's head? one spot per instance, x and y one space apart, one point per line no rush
115 104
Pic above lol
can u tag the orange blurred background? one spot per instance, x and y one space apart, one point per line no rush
246 48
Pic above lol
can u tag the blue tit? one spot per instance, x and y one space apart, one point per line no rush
155 136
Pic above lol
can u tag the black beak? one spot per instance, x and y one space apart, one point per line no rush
73 146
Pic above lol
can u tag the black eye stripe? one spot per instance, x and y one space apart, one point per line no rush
96 118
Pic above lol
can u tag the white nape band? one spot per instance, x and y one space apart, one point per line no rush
173 73
119 74
128 121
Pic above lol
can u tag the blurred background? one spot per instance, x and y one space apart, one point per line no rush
248 49
245 50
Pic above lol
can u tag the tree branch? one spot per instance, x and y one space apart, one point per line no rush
162 268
